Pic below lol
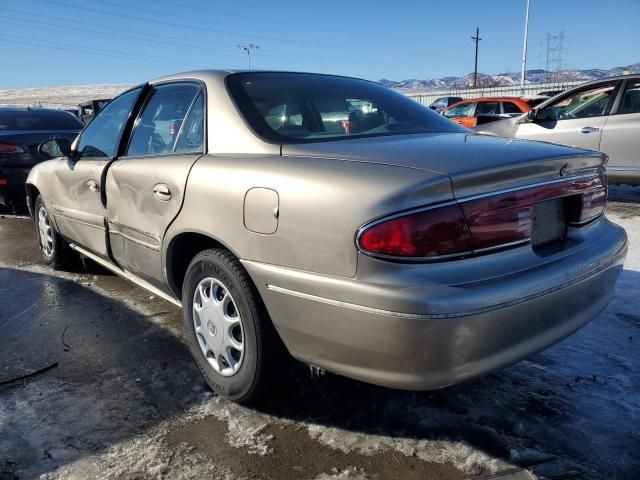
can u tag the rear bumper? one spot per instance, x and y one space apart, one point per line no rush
431 336
12 184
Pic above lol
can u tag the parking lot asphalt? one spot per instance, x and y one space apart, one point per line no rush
110 391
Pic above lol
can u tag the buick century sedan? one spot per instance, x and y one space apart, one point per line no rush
334 221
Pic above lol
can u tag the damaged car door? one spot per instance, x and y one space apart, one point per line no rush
145 187
77 195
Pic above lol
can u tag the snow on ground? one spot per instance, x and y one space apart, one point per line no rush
67 96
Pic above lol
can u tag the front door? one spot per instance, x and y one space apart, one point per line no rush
620 139
576 119
77 198
145 188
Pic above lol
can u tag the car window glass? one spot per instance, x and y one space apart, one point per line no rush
510 107
159 123
100 138
588 103
295 108
459 110
631 99
191 137
488 108
34 120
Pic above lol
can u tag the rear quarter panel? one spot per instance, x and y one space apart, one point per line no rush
322 202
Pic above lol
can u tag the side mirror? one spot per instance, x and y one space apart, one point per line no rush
56 147
532 115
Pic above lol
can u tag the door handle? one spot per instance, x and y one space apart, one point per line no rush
93 185
589 129
162 191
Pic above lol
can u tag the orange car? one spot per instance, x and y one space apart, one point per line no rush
466 112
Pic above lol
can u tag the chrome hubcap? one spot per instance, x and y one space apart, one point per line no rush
218 326
46 232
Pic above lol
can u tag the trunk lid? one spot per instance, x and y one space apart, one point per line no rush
475 163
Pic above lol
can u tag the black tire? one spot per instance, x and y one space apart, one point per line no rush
60 256
264 353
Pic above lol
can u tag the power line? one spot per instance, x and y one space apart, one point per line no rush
476 39
247 47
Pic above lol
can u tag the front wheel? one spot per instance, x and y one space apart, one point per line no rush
54 249
228 330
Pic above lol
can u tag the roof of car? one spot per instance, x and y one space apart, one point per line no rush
18 108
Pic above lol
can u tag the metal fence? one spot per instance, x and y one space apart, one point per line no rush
428 97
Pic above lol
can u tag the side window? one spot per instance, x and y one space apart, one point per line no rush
510 107
100 138
158 125
631 99
488 108
191 137
592 102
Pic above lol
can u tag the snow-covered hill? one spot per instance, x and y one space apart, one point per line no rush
65 96
509 78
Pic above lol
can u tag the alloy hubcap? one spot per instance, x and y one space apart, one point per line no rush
45 232
218 326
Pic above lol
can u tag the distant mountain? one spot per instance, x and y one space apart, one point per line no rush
535 76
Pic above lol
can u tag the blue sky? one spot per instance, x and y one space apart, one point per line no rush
58 42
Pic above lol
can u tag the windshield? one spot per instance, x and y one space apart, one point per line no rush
299 107
459 110
38 120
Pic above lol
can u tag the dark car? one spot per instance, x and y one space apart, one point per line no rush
21 131
441 103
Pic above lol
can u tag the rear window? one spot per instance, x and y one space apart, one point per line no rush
38 120
298 108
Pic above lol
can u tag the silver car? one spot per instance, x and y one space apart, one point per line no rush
601 115
386 244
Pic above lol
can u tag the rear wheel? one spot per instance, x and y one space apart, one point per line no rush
228 330
55 250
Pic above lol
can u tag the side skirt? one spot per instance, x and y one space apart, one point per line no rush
126 275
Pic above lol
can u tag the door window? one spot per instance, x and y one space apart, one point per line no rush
488 108
191 137
159 123
592 102
511 108
631 99
459 110
101 137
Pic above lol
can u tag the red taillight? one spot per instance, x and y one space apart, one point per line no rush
9 148
488 222
428 233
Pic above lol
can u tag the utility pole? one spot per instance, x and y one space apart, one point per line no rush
247 47
524 49
475 68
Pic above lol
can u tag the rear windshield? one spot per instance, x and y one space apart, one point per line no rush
300 107
38 120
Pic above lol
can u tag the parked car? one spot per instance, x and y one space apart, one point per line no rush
441 103
89 109
403 250
474 111
600 115
21 131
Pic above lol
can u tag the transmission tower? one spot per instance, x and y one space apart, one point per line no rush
556 51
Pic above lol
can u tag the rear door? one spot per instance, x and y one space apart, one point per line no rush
145 188
77 198
576 119
621 135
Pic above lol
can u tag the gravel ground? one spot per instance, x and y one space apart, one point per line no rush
123 400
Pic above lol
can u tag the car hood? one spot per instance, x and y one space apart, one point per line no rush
474 163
